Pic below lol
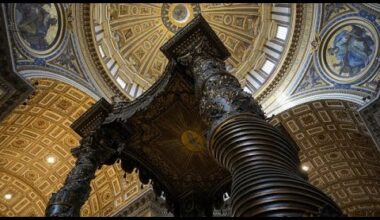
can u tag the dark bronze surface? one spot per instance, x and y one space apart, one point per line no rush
167 143
91 154
14 90
266 180
194 118
92 119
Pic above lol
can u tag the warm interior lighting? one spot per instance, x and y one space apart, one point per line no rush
50 159
305 168
8 196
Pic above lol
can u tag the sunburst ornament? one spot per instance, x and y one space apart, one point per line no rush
192 141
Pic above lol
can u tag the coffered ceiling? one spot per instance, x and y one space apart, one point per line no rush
285 55
35 143
340 156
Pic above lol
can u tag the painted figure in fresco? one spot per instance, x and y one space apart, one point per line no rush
353 49
33 23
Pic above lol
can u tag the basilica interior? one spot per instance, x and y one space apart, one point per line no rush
108 109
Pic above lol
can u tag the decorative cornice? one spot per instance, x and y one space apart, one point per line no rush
145 202
92 118
91 59
290 56
370 114
186 36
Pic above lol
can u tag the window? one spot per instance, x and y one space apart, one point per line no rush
101 51
268 66
132 91
121 82
247 90
282 32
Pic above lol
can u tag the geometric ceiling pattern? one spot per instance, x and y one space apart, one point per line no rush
141 29
284 54
35 158
341 158
127 39
43 45
344 61
105 48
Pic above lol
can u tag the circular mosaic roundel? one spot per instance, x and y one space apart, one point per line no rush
349 50
176 16
39 26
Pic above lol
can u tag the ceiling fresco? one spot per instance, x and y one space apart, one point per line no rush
39 27
348 51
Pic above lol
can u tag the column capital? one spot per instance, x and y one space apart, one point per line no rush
202 53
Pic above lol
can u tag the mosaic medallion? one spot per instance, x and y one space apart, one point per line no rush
176 16
348 51
39 26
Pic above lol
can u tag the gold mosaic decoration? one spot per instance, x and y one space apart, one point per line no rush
40 129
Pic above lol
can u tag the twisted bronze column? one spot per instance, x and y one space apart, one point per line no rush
91 154
266 180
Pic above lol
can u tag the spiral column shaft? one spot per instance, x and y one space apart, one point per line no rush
266 180
265 170
68 201
264 164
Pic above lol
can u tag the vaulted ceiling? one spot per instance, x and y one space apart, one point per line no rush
285 55
127 38
35 157
341 158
